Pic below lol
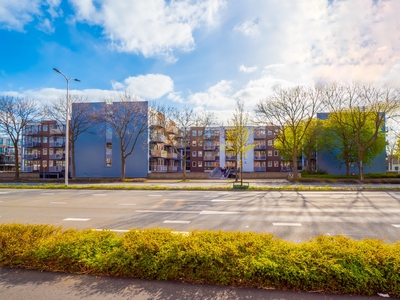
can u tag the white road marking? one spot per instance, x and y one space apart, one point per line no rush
3 193
126 204
208 196
396 225
176 222
154 195
58 202
286 224
168 211
210 212
49 194
99 194
76 219
114 230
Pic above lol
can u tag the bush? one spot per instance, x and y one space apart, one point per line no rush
331 264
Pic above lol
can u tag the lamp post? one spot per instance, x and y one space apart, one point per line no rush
66 126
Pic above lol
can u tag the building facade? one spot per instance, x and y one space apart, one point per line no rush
44 148
7 155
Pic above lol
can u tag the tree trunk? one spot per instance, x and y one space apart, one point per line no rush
294 162
73 160
184 169
16 176
347 164
360 165
122 168
241 169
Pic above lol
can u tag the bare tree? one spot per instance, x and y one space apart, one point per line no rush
175 127
364 108
15 114
238 137
292 110
81 119
128 118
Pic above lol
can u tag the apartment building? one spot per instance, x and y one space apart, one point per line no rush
7 154
44 148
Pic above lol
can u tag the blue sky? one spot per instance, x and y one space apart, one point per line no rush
204 54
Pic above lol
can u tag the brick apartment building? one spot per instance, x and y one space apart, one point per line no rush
7 155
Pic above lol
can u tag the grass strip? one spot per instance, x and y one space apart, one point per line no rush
334 264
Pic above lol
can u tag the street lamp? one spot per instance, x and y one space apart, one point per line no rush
67 126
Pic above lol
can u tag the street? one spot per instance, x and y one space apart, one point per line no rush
290 215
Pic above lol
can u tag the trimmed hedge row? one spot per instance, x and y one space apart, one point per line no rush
325 263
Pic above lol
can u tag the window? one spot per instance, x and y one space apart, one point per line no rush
45 128
276 164
201 143
269 152
270 164
51 127
44 151
200 154
108 148
269 132
193 132
200 164
194 153
51 151
108 162
50 163
269 142
45 139
194 143
276 153
193 164
200 132
44 163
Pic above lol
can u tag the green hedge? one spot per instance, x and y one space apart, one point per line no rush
325 263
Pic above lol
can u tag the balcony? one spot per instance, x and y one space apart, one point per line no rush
57 156
56 169
158 168
260 157
209 147
259 136
172 130
31 131
31 156
57 144
31 169
57 131
32 145
260 169
260 146
230 157
209 157
172 155
158 138
173 169
159 153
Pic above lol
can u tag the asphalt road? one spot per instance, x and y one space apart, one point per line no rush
290 215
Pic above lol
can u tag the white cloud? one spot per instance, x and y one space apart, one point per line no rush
151 27
151 86
248 28
175 96
248 69
217 96
14 15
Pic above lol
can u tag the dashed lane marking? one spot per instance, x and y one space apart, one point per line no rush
396 225
155 195
210 212
176 222
286 224
3 193
168 211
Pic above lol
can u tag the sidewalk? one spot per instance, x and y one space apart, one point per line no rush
33 285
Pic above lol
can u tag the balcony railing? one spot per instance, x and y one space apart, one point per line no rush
31 131
57 144
260 157
31 144
173 169
260 135
230 157
209 157
158 168
209 147
57 156
260 169
57 169
57 131
172 155
260 146
158 138
31 156
31 168
159 153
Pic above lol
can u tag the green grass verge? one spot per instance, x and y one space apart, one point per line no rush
289 187
330 264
